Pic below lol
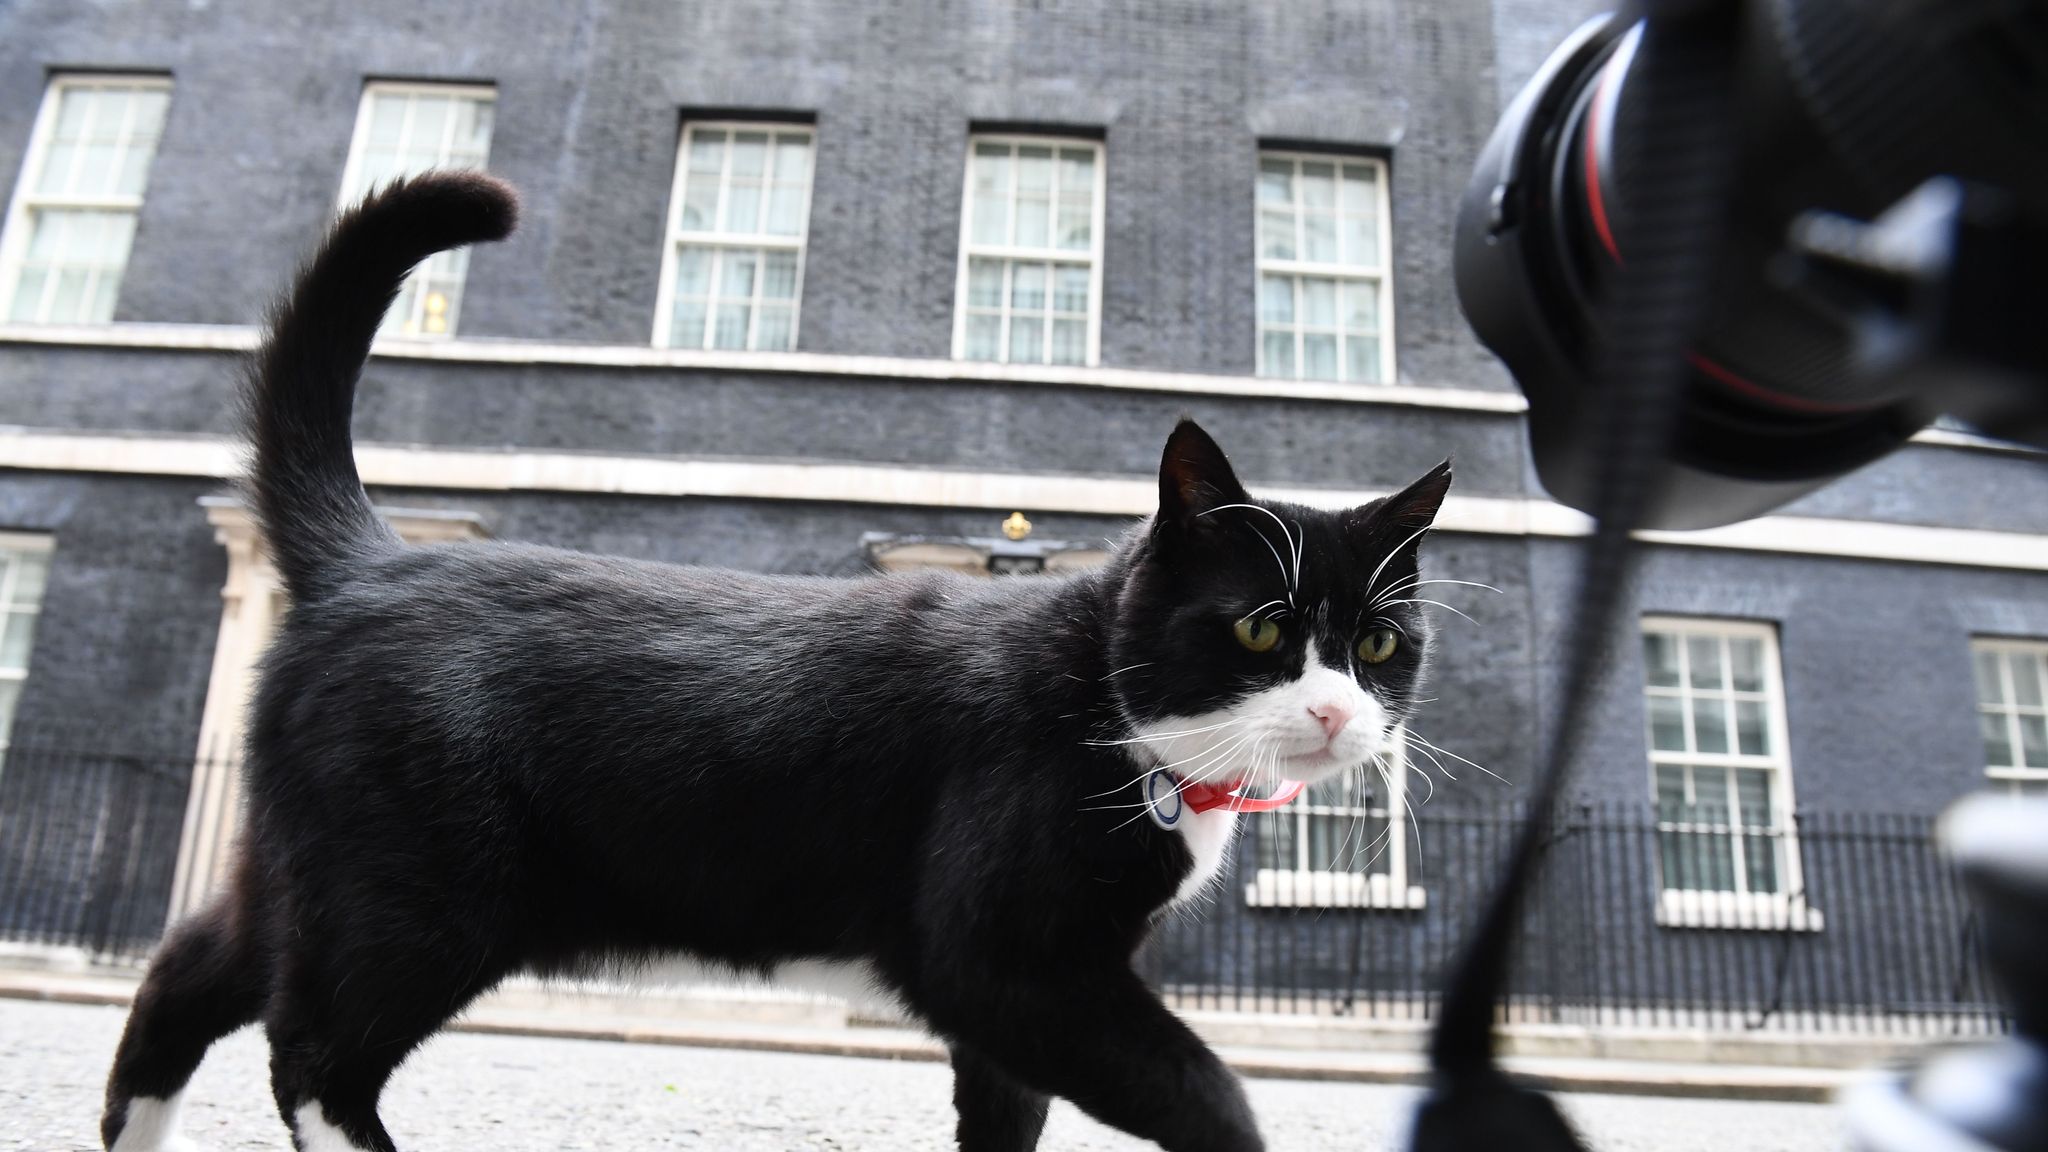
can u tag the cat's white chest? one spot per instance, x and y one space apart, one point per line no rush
1207 836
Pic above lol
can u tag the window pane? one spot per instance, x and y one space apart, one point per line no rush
984 283
1753 794
17 635
686 323
2026 679
737 277
742 204
1276 300
749 155
1990 686
1276 235
707 153
1276 181
1660 659
1751 728
786 209
1703 653
1710 795
10 693
1034 196
778 276
1026 340
1319 304
2034 741
1671 802
693 271
31 573
28 294
1070 293
1069 342
1361 241
1746 663
1027 290
1362 358
1279 355
984 337
1362 306
1997 739
730 328
68 302
1667 724
991 194
1318 357
1710 723
1760 859
1318 184
793 160
1077 198
1319 237
774 328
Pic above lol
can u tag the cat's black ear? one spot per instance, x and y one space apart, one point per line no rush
1194 476
1414 508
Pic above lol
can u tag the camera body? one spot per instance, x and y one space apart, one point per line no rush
1829 340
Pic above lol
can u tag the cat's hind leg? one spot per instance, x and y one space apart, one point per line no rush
208 978
350 1006
997 1113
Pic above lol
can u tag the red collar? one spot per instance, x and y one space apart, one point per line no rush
1204 797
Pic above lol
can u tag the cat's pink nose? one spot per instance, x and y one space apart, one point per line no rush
1333 718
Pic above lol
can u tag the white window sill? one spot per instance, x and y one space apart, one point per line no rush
1273 888
1738 912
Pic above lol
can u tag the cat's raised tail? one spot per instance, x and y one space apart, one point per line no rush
302 383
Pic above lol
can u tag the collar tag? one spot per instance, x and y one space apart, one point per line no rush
1163 800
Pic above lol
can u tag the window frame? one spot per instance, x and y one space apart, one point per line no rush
19 542
673 237
969 250
2010 778
1787 908
351 171
14 234
1309 887
1382 275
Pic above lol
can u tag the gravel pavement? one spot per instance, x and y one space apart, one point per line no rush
514 1093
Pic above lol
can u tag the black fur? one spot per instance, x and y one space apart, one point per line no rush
467 761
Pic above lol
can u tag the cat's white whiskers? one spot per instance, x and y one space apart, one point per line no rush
1414 747
1414 735
1205 751
1131 668
1155 737
1389 557
1438 603
1419 582
1290 581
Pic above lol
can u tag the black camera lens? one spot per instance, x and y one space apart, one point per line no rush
1841 107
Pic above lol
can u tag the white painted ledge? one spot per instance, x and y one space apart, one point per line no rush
1738 911
482 470
1279 888
243 338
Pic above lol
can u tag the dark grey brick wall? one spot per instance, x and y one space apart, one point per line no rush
125 640
589 104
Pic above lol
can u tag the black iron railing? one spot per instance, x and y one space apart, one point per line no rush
1838 922
88 842
1856 925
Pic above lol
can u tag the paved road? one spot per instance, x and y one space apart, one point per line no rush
510 1094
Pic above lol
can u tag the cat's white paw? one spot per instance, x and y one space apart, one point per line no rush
153 1127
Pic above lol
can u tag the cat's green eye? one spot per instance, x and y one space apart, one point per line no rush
1379 645
1259 635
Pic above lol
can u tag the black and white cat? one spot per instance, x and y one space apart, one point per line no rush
475 760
